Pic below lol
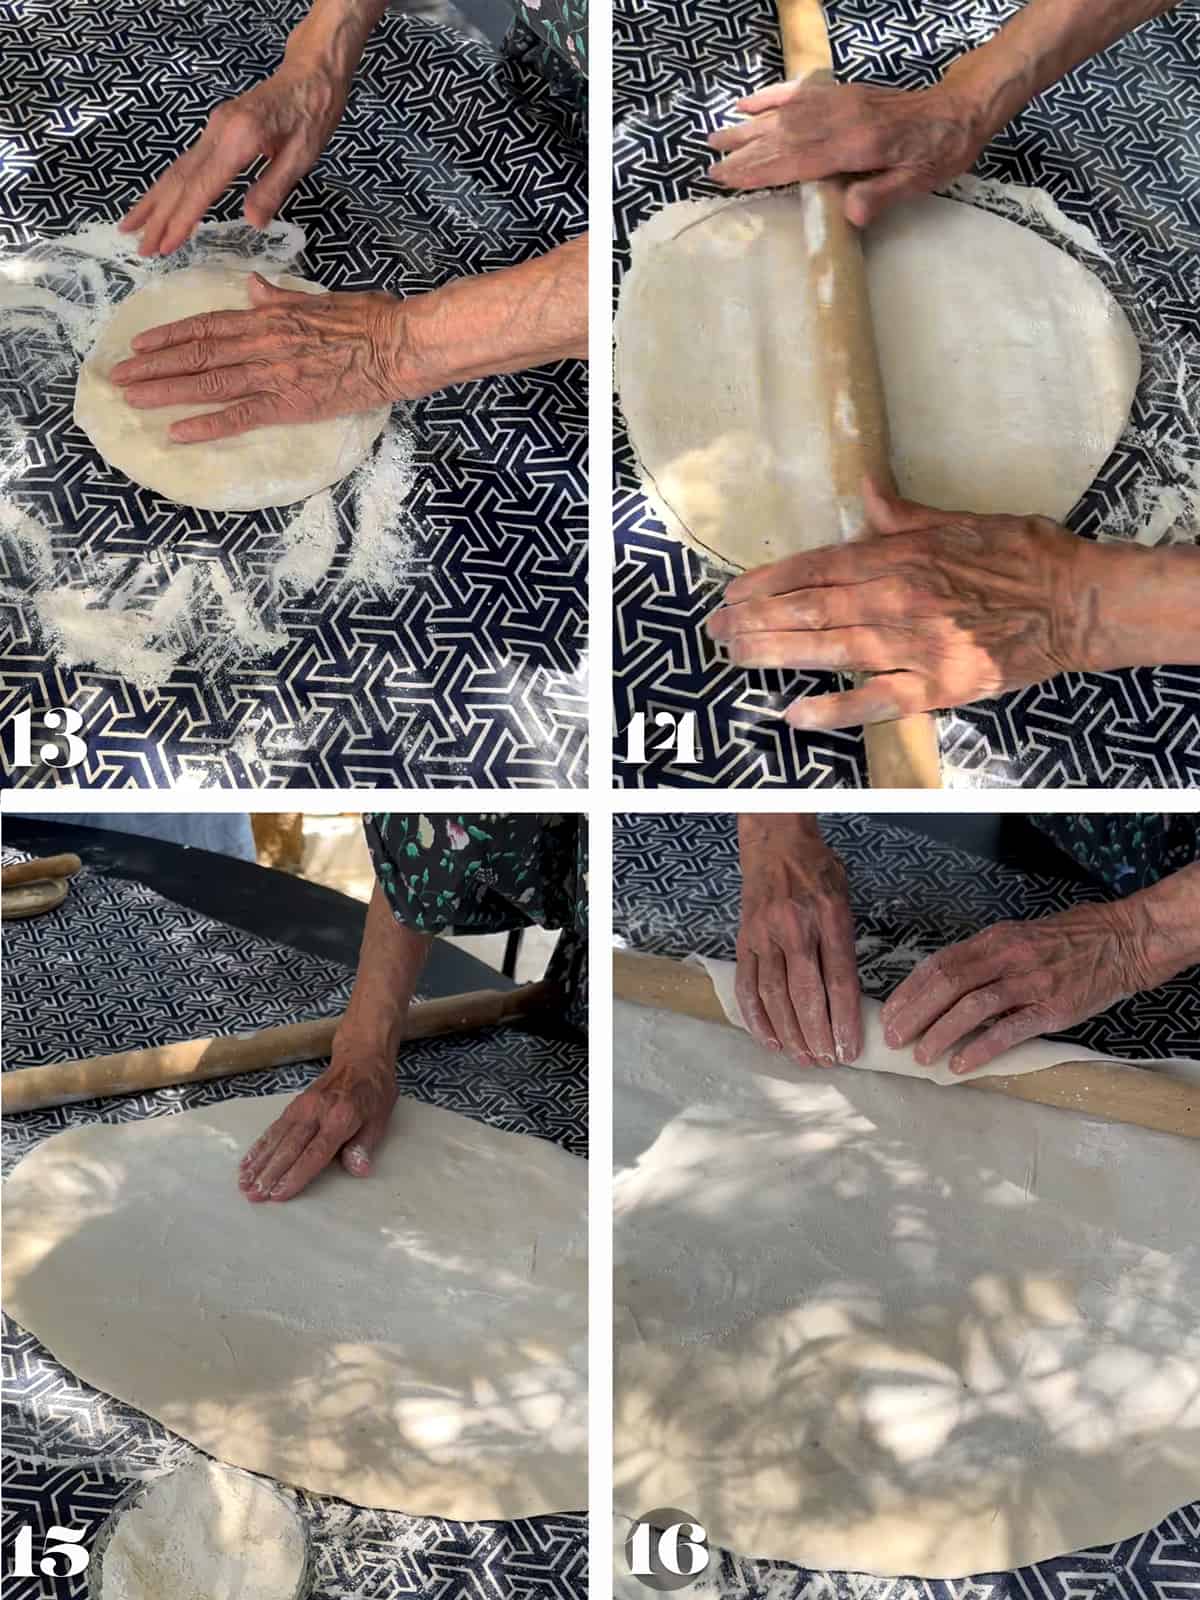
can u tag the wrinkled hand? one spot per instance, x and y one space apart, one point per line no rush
797 977
890 142
946 608
1016 980
294 357
288 119
343 1114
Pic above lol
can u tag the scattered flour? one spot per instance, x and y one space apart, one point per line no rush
1021 203
205 1532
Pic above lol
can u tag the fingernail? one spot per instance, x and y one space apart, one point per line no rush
277 1190
956 1066
774 1044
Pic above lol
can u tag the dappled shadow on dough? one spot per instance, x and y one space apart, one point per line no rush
339 1342
861 1314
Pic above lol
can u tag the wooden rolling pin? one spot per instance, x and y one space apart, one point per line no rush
902 754
1117 1091
38 871
197 1060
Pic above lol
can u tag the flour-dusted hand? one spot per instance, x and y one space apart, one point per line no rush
1016 980
945 608
797 977
293 357
288 119
342 1116
889 143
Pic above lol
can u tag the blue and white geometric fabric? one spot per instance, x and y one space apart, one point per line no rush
1116 145
118 965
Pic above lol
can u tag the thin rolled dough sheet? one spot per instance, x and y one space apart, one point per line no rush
1035 1055
1008 369
273 466
870 1327
414 1341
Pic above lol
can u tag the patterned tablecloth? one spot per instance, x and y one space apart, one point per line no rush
463 663
675 890
1117 145
120 965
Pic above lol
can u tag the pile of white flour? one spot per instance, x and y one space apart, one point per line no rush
205 1532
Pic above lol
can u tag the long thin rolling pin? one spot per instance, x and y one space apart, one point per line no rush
196 1060
1117 1091
902 754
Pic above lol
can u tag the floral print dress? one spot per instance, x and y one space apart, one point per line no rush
490 872
1125 852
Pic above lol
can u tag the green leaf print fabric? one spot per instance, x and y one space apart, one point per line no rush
489 872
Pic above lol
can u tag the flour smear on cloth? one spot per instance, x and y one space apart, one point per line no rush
866 1324
140 616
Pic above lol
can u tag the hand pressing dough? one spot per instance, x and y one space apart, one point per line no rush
272 466
866 1327
205 1533
414 1341
1035 1055
1008 370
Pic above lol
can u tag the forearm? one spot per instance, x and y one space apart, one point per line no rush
505 321
334 33
1040 45
1139 607
1164 926
389 964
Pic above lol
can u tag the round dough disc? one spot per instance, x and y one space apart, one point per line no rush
273 466
1008 369
414 1341
205 1533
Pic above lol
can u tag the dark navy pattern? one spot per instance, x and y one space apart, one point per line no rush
450 161
675 889
143 970
1115 145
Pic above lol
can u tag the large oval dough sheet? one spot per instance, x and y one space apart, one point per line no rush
1008 369
272 466
415 1341
868 1326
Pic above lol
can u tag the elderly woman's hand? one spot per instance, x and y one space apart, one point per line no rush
288 119
341 1116
889 142
294 357
797 977
1016 980
945 608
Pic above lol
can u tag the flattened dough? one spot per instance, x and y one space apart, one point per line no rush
871 1327
1008 369
415 1341
267 467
